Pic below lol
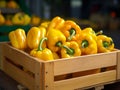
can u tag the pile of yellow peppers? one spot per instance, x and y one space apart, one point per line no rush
60 38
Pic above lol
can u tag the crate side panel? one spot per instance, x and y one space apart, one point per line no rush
118 65
84 63
19 57
18 75
86 81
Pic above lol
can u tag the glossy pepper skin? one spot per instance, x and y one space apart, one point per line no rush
55 39
90 31
71 30
34 35
45 24
70 49
42 53
87 44
104 43
56 23
55 55
18 38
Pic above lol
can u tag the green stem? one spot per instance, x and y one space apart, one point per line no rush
84 44
72 33
70 51
58 44
41 43
99 32
106 44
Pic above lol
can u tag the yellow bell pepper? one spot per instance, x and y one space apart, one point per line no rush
56 23
42 53
90 31
18 38
45 24
71 30
70 49
43 31
104 43
55 39
34 35
87 44
55 55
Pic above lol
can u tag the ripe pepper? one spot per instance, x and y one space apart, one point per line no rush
55 39
90 31
45 24
87 44
42 53
70 49
18 38
71 30
55 55
56 23
34 35
104 43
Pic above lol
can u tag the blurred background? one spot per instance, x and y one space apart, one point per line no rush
98 14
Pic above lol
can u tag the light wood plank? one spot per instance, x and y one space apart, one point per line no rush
19 75
86 81
83 63
118 65
20 57
97 85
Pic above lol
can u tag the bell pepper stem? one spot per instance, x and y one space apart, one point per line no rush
59 44
84 44
72 33
40 43
99 32
69 50
106 44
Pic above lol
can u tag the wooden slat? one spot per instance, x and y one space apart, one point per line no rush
86 81
20 57
97 85
118 65
87 62
48 76
19 75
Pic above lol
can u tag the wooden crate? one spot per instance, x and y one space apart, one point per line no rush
61 74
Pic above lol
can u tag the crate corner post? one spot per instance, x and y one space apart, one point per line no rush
44 76
48 76
118 65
